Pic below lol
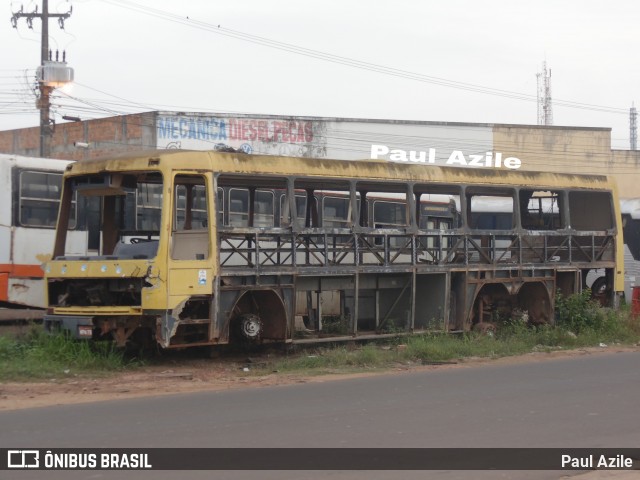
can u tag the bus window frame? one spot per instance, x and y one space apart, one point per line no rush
73 220
378 224
300 217
183 241
346 223
139 207
257 215
178 224
474 214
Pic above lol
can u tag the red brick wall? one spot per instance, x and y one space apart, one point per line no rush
25 141
6 142
105 136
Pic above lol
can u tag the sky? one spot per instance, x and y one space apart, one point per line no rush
454 61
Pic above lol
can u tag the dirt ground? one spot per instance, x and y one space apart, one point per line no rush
182 375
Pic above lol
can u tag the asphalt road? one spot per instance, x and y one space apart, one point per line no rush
585 401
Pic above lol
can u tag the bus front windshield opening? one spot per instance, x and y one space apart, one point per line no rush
122 213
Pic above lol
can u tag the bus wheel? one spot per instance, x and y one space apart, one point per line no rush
600 291
534 299
249 327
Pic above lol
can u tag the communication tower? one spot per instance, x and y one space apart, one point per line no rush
633 127
545 113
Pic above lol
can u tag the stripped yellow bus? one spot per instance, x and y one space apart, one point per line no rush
209 248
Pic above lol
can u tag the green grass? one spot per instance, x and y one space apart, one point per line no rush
344 358
39 355
579 323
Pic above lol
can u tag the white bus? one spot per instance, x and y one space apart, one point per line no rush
30 192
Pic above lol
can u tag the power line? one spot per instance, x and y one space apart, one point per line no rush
350 62
128 105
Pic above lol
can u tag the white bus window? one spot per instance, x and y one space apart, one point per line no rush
40 200
489 212
238 207
263 216
335 212
390 215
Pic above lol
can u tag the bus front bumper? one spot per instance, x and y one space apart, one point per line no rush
80 327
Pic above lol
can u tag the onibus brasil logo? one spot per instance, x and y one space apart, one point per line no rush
23 458
81 460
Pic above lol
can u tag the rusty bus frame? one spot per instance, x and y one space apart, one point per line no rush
299 281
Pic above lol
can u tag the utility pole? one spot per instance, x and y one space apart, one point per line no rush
45 86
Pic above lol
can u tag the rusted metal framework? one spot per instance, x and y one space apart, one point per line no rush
267 249
251 252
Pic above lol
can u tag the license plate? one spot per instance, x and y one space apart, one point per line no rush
85 331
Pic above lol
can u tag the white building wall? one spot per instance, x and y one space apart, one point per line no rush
347 139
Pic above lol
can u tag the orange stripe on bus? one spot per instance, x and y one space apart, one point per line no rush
4 287
21 270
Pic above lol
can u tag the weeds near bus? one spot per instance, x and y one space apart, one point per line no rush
580 322
38 355
335 324
580 313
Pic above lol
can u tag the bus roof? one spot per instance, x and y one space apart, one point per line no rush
38 163
371 170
